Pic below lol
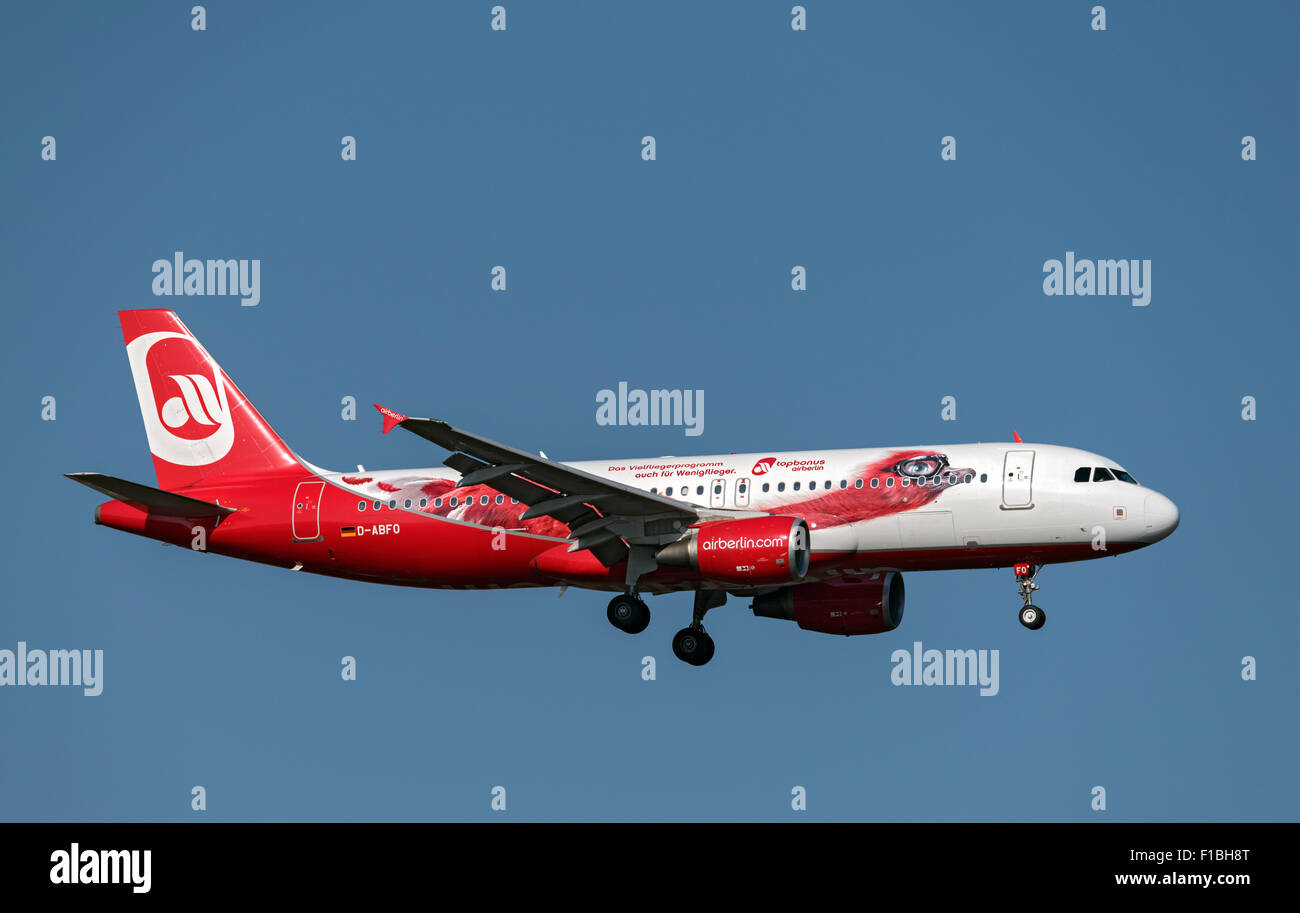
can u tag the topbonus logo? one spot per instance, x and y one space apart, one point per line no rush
179 276
182 398
767 464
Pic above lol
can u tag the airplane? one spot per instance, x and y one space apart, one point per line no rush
821 538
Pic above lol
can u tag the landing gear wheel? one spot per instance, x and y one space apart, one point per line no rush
1032 617
627 613
693 645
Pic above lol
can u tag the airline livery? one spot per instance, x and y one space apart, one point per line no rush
820 538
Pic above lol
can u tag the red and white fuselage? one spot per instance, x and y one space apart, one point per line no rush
1011 502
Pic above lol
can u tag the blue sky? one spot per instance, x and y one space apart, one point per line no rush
775 148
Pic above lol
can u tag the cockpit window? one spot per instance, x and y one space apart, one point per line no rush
1125 477
1102 474
1082 473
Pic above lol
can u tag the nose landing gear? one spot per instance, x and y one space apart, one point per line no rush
1031 616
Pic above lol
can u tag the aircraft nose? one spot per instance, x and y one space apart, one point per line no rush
1161 516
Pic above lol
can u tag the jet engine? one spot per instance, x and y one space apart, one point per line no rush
852 604
755 550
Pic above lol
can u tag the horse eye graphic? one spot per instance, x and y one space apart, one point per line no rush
922 467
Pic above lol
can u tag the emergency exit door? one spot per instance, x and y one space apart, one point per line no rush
306 511
718 493
1018 479
742 492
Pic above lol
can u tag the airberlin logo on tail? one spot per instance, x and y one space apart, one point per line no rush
182 396
197 402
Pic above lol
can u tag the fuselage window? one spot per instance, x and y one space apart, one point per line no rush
984 476
780 486
796 486
699 489
742 488
1125 477
844 483
501 499
452 502
513 501
654 491
1102 474
407 503
1082 473
437 502
717 489
669 491
889 482
392 505
378 505
424 502
767 486
361 505
483 500
906 482
968 478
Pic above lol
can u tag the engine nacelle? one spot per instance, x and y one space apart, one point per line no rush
755 550
853 604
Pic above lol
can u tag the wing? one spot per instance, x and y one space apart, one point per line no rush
602 515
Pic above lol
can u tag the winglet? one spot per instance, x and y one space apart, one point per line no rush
1015 435
391 419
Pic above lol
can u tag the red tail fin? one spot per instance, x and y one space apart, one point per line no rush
201 428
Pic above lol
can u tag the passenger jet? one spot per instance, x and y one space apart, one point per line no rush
820 538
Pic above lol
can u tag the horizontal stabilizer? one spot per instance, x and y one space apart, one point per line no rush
153 499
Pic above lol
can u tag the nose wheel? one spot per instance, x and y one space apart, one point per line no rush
1031 616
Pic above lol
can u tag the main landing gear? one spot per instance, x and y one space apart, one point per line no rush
691 644
1031 616
628 613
